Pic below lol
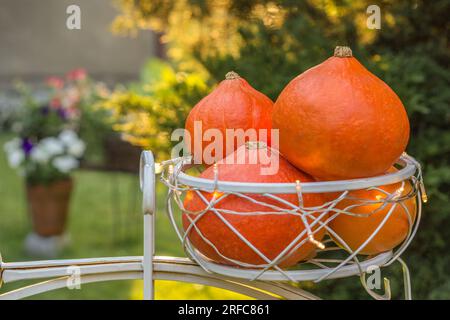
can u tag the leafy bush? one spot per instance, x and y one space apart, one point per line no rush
146 113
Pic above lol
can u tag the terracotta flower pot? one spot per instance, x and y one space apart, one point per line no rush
49 206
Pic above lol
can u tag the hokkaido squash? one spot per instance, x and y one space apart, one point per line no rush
355 230
269 233
338 121
233 105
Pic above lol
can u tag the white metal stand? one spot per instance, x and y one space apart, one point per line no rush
147 181
150 267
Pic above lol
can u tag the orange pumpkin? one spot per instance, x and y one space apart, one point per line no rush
355 230
269 233
234 104
338 121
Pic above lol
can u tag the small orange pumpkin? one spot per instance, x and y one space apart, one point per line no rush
355 230
234 104
269 233
338 121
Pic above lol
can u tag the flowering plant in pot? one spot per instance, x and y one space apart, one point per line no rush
47 149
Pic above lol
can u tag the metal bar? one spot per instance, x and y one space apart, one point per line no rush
61 282
297 275
280 289
165 264
148 254
12 275
90 261
406 280
181 265
218 283
406 172
177 267
147 181
68 262
289 292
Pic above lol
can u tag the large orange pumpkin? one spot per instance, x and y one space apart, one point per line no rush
355 230
234 104
337 120
269 233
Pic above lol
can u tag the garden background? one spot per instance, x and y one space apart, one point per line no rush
191 45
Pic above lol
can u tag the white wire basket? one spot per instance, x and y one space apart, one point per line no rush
330 261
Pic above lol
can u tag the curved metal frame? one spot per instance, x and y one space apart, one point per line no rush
408 170
150 267
147 183
126 268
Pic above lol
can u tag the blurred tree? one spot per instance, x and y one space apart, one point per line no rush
270 42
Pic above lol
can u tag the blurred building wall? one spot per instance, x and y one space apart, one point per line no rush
35 42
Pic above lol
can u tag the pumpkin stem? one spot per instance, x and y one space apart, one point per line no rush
231 75
342 52
252 145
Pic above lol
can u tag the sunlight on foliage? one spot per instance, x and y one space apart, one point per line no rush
193 29
211 28
146 113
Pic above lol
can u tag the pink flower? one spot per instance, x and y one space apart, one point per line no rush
79 74
71 97
55 82
72 112
55 103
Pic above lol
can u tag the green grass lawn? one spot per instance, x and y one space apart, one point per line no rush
105 220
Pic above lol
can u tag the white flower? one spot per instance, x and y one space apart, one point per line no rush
75 145
39 154
65 164
52 146
15 158
68 137
12 145
77 148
